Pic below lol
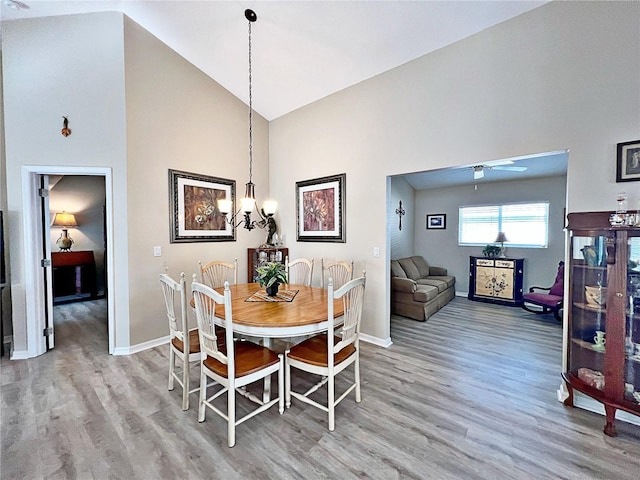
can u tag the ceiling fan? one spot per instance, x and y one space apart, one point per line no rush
16 4
478 170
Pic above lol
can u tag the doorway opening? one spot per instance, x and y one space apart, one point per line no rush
92 236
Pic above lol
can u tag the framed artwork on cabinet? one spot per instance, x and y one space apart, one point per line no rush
628 166
193 208
320 209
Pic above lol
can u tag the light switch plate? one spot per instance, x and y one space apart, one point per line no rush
157 251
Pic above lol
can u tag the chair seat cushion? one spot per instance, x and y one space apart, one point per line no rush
249 359
542 299
194 342
314 351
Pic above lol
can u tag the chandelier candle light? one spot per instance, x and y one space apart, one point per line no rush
248 203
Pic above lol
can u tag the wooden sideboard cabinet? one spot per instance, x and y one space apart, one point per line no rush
496 280
603 332
257 256
74 276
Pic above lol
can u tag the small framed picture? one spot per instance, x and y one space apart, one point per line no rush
628 168
193 208
437 221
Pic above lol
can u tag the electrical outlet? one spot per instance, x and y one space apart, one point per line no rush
157 251
376 251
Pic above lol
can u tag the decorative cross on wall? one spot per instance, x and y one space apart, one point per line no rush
400 212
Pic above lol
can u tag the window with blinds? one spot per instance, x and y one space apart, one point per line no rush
526 225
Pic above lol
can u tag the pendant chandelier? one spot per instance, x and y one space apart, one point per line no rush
248 203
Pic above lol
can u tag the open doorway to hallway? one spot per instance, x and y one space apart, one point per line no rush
79 272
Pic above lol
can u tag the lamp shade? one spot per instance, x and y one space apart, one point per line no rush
64 219
501 238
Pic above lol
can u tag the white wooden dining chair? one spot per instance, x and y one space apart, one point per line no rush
299 271
340 271
184 344
233 367
319 356
216 272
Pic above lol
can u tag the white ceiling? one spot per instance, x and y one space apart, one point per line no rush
302 51
537 166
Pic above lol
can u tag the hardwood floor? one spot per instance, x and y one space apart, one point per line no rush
469 394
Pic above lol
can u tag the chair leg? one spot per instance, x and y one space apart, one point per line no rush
172 367
281 386
356 374
203 394
185 382
231 415
287 376
331 403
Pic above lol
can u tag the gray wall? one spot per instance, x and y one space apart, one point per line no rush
440 247
401 241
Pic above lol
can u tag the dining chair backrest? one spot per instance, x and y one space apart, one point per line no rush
299 271
205 299
184 344
216 272
340 271
177 321
352 295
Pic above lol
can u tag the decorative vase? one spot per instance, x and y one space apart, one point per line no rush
272 291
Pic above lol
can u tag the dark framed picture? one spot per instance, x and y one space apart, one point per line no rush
320 209
437 221
193 208
628 167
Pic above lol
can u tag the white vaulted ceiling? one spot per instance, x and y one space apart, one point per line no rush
302 50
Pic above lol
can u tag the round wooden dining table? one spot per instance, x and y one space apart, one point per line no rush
305 314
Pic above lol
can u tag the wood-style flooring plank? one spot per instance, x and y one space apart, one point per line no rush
469 394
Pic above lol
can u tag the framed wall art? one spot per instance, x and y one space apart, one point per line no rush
193 208
320 209
628 167
437 221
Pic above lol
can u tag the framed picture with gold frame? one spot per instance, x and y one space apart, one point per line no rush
193 208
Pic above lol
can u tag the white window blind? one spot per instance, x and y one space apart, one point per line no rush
524 224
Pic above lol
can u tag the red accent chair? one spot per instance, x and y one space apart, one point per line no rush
551 302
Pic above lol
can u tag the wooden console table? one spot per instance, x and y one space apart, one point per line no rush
74 276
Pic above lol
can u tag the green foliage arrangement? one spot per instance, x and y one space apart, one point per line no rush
270 273
491 251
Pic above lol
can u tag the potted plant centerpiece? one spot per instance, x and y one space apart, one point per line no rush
270 275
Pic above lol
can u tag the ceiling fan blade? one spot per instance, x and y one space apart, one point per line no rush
512 169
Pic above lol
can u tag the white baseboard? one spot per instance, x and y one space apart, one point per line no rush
141 346
381 342
462 294
20 355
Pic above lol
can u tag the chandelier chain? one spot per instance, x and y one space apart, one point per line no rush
250 112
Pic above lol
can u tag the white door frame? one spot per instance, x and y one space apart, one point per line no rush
32 238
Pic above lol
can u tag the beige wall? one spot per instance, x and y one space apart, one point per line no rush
53 67
178 118
563 76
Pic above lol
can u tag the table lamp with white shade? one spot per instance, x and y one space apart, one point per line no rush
64 220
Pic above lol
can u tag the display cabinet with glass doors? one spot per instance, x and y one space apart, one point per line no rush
603 344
